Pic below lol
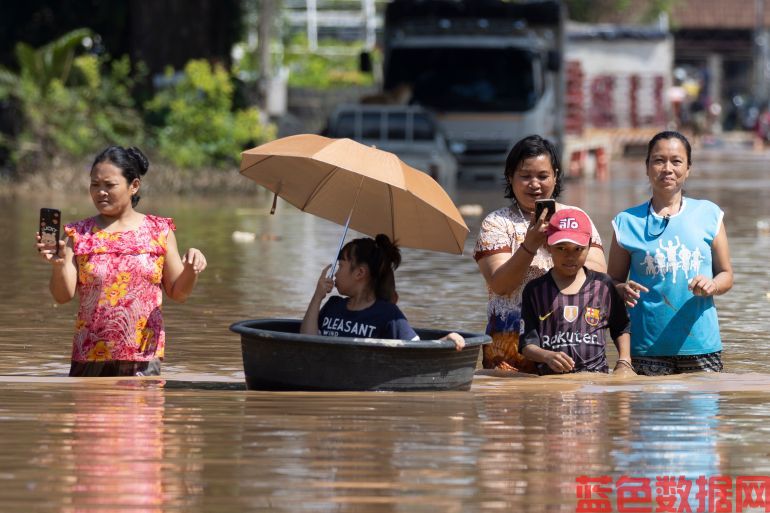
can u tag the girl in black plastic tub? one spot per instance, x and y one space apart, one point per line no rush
365 276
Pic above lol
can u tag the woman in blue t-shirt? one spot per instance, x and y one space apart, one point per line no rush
365 276
670 257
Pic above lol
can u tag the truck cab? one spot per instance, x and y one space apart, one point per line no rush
490 71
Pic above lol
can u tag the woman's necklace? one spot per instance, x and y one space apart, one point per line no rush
521 213
522 234
666 219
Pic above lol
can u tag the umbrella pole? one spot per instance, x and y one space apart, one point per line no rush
333 268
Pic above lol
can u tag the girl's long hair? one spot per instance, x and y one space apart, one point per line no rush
381 256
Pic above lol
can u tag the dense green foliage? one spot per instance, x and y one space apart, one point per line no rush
74 105
96 111
70 105
335 64
199 126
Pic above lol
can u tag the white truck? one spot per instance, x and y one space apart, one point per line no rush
490 70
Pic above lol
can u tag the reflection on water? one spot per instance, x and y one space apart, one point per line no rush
510 444
195 440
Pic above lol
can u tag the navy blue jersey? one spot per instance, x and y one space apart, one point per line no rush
573 323
381 320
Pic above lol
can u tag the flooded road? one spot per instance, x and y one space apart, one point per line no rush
195 440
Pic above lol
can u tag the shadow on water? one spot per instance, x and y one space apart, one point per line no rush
202 385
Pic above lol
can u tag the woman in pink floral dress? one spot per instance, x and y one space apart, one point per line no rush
119 262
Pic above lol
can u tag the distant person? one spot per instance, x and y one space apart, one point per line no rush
367 307
676 96
119 262
674 325
510 248
762 128
565 312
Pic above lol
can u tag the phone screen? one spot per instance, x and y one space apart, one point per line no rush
50 227
545 204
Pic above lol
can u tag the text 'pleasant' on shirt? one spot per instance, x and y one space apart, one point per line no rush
381 320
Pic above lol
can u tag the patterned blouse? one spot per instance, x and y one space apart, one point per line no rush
503 231
120 291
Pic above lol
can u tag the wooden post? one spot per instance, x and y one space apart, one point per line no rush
266 15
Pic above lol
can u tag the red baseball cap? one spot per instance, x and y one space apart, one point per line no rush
569 225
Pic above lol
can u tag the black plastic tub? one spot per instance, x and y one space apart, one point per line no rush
277 357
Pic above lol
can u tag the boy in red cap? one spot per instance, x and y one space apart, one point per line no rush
565 312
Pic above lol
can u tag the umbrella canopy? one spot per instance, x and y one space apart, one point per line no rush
329 177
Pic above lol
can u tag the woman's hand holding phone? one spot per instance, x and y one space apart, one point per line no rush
548 205
52 253
48 238
535 237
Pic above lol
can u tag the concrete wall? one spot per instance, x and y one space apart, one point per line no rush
599 56
624 80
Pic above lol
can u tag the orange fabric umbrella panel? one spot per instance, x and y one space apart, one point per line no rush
337 178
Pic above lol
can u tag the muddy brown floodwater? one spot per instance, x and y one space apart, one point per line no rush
197 441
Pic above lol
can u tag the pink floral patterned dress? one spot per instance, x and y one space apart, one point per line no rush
120 291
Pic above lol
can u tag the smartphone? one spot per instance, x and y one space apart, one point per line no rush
50 227
545 204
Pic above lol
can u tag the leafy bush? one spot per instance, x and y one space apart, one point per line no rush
69 107
98 111
199 127
334 65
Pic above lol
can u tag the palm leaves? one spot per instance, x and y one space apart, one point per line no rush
43 65
70 104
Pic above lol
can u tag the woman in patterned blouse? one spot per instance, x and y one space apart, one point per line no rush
510 248
118 262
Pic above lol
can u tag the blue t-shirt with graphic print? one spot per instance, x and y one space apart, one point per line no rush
665 255
381 320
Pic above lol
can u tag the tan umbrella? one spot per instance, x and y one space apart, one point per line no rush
347 182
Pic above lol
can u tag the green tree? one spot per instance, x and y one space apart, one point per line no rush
198 126
69 106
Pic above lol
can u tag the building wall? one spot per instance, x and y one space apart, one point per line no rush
622 56
620 82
